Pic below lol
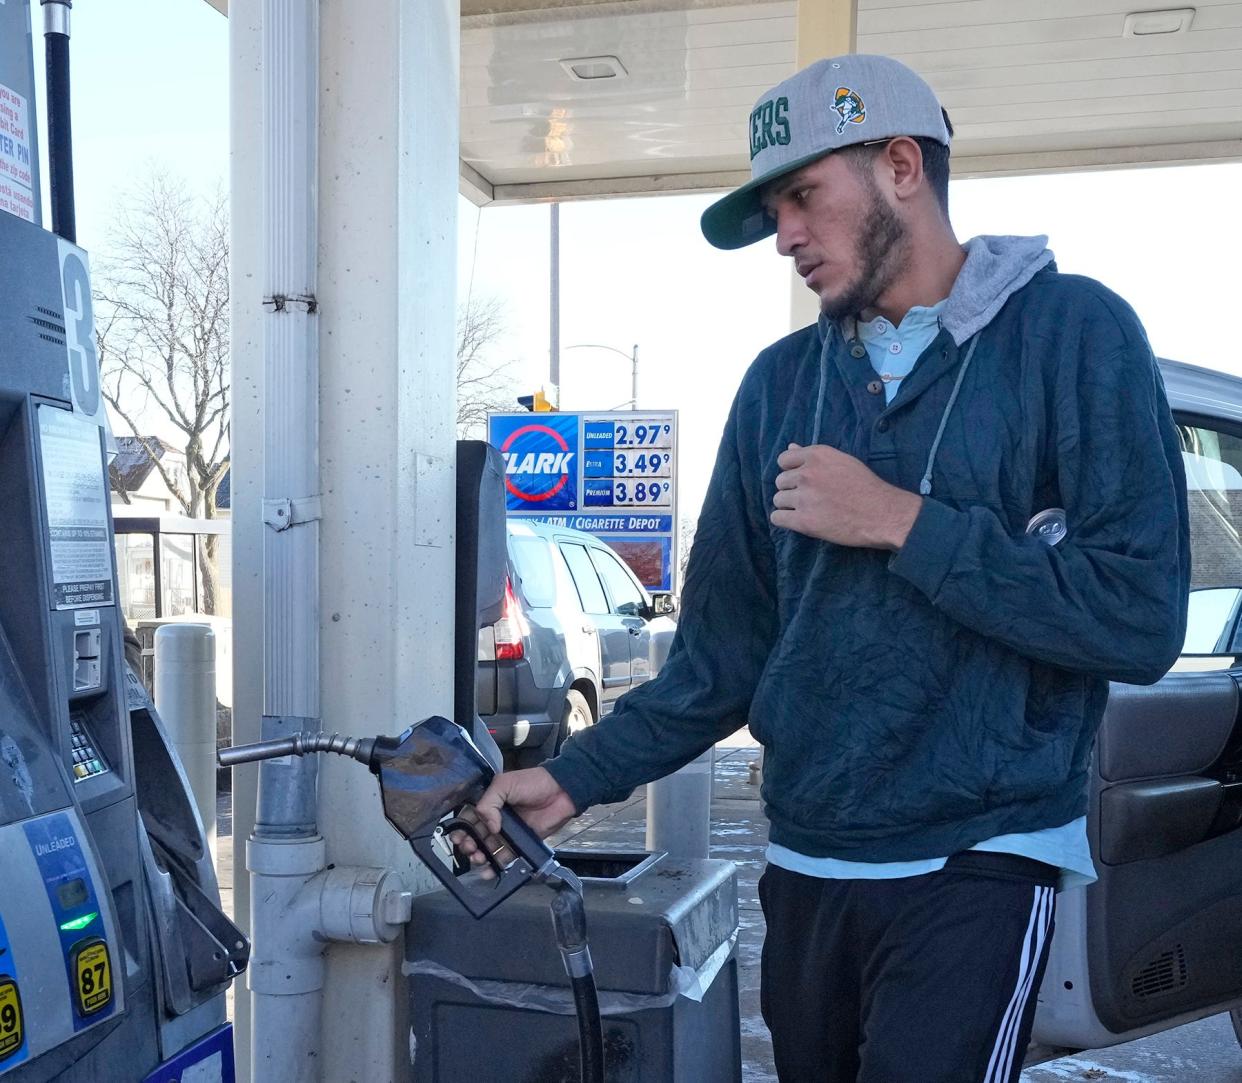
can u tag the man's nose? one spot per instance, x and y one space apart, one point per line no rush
790 231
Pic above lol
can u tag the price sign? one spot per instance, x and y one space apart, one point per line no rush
94 977
613 475
12 1028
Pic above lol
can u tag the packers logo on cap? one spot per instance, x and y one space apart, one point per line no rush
849 106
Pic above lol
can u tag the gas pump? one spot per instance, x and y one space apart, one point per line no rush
114 954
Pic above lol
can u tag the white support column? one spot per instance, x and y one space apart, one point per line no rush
388 172
824 28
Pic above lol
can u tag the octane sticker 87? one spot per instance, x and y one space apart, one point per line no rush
94 977
12 1031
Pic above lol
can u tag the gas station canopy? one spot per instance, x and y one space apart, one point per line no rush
591 99
564 99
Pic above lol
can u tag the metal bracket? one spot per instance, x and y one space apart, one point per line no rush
284 512
279 302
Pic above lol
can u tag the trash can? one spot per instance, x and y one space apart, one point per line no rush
490 1002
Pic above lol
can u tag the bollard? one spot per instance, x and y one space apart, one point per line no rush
679 810
185 697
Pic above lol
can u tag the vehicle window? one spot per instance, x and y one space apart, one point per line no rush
532 559
627 599
1213 461
580 567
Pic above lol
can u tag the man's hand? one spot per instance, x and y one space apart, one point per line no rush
824 493
533 794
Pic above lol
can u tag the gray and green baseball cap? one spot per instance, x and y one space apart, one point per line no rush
834 103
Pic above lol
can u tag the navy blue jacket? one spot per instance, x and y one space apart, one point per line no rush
914 704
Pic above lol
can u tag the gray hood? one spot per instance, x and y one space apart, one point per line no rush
995 269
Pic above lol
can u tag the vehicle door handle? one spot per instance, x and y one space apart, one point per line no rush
589 629
636 631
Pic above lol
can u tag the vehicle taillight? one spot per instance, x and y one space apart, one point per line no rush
510 628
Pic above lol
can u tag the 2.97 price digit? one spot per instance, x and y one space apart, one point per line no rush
642 434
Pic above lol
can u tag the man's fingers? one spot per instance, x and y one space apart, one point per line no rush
463 843
492 802
786 519
785 499
792 458
787 479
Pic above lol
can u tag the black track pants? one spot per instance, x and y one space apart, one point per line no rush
926 979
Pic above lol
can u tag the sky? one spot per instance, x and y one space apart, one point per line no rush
151 89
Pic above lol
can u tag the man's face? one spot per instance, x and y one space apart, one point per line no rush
846 241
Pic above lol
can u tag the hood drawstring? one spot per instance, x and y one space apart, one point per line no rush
823 384
925 486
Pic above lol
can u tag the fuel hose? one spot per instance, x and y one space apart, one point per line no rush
569 926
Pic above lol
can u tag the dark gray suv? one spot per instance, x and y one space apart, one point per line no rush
578 631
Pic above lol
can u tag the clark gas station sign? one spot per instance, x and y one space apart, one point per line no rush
613 475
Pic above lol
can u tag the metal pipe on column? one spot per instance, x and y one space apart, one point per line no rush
286 854
679 810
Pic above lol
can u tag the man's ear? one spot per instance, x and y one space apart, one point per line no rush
902 160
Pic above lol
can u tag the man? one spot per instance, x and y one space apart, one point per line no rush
940 522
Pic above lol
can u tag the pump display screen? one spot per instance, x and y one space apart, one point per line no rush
72 894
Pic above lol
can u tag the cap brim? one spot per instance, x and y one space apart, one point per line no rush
739 219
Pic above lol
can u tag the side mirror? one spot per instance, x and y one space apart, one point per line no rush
664 605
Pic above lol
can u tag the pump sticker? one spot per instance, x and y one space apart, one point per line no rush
77 510
13 1047
94 976
16 168
12 1030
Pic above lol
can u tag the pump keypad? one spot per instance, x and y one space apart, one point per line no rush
12 1028
87 762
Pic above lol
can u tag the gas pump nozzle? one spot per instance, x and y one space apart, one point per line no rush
428 776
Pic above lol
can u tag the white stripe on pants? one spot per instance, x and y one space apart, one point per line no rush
1000 1065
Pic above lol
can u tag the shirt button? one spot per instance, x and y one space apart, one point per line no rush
858 350
876 387
881 425
880 327
894 347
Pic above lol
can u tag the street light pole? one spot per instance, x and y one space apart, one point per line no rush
632 357
554 335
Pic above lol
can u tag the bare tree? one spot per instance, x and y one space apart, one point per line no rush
483 386
163 334
688 528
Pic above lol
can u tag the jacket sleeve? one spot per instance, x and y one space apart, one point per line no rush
726 630
1110 599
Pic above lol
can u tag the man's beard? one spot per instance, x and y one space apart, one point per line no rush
881 249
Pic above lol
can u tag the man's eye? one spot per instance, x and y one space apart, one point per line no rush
801 195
